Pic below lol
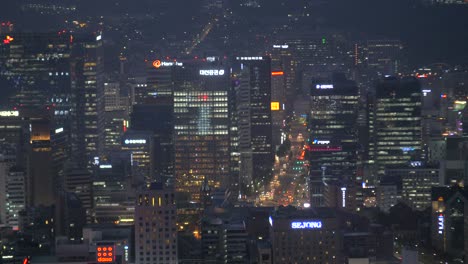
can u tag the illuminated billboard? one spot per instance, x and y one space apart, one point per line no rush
306 224
324 86
275 106
9 113
277 73
158 63
105 253
135 141
212 72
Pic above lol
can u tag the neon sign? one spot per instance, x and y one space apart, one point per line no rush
277 73
211 72
9 113
135 141
8 39
105 254
343 192
249 58
59 130
275 106
440 221
324 86
321 142
280 46
306 225
157 63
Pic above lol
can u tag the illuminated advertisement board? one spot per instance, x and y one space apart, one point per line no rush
440 224
159 63
306 224
275 106
105 253
135 141
324 86
325 148
320 142
212 72
9 113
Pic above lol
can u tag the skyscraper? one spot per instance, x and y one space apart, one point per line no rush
155 226
88 91
201 128
333 136
397 137
254 120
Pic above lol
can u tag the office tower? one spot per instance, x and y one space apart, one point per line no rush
87 89
77 181
384 56
448 220
159 80
158 118
223 240
139 150
305 236
333 137
397 123
113 197
155 226
253 88
417 181
201 129
115 118
282 60
13 193
35 68
41 180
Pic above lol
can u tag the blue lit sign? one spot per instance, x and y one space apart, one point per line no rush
306 225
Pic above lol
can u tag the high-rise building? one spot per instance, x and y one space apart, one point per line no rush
138 148
396 123
253 88
305 236
155 226
333 138
384 56
201 128
158 118
88 91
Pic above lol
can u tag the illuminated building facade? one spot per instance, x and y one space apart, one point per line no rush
416 184
305 236
155 226
397 135
158 118
112 199
253 93
88 92
138 148
448 220
201 129
333 136
384 56
159 80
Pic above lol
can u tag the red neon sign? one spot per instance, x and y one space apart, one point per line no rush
105 254
157 64
277 73
7 40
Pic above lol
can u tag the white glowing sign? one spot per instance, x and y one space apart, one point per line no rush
280 46
249 58
306 225
440 221
98 37
324 86
343 193
212 72
59 130
9 113
321 142
135 141
105 166
170 63
270 220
